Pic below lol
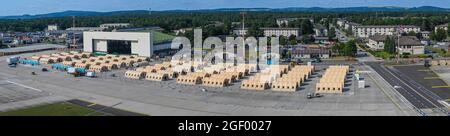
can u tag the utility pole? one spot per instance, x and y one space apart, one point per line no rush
243 21
243 30
399 32
73 32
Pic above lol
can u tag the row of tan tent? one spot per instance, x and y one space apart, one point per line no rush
440 63
293 79
333 80
263 80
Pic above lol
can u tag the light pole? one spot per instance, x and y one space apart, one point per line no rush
397 49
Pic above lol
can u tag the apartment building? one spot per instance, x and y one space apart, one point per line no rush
52 27
341 22
285 21
443 26
270 31
367 31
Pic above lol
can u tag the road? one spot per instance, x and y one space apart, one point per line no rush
412 92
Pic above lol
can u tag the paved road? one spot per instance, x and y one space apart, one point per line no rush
413 93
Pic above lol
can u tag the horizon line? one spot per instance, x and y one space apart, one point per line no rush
448 8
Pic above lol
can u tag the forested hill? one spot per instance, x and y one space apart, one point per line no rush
291 9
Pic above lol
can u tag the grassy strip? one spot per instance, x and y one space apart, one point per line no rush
55 109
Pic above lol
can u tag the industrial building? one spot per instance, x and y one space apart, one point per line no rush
140 44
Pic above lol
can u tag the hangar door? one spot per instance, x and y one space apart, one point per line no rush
119 47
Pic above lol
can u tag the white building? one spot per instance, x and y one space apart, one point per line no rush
306 53
367 31
351 26
269 32
285 21
341 22
320 31
53 27
240 31
114 25
85 29
139 43
410 44
321 40
182 31
443 26
425 34
376 42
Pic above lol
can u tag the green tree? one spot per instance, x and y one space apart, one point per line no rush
283 40
350 48
448 29
307 26
2 45
389 45
331 34
292 42
254 31
338 48
412 33
439 35
426 25
307 39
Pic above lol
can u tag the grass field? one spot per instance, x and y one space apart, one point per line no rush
159 36
56 109
162 37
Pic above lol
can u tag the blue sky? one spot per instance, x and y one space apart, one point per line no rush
20 7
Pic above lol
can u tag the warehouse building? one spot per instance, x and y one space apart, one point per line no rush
137 43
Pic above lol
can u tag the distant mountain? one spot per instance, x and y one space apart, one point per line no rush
290 9
74 13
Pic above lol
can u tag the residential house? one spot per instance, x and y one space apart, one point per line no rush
376 42
410 44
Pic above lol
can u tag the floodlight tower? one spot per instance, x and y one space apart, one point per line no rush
73 33
243 25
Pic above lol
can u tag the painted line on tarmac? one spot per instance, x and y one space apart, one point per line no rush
448 86
24 86
90 105
429 78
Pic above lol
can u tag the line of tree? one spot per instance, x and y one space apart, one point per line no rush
345 49
389 45
254 20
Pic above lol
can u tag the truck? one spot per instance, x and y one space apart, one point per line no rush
12 61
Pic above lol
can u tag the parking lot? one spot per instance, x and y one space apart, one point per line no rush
14 92
427 78
166 97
